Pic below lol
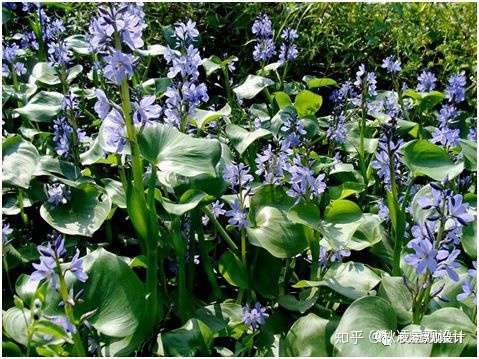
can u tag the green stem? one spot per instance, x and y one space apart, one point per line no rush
243 248
75 145
314 245
283 77
78 347
229 92
183 302
22 211
362 130
395 210
184 121
152 233
205 258
5 268
221 230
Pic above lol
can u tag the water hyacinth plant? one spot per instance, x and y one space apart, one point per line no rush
162 197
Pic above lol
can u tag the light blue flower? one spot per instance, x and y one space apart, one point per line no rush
102 105
119 66
237 216
146 110
426 81
255 317
58 193
391 64
115 135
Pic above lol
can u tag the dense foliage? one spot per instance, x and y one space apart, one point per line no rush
258 186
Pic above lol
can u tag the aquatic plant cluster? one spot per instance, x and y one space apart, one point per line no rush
157 204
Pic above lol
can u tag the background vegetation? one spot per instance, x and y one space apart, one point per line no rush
334 37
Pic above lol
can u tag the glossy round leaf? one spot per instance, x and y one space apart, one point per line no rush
193 338
43 107
233 270
425 158
395 291
84 213
275 233
351 279
315 82
45 74
307 103
79 44
176 152
252 86
366 315
116 294
19 161
469 148
308 337
241 139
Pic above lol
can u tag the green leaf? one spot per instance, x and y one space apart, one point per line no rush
307 103
282 99
176 152
241 139
266 282
252 86
453 320
203 117
345 190
84 213
315 82
366 315
224 319
189 200
269 195
78 44
211 64
342 211
307 298
351 279
51 166
275 233
115 191
10 349
156 86
469 148
19 161
152 50
25 288
469 239
14 325
429 100
308 337
193 338
73 72
425 158
346 227
49 328
116 294
42 107
357 235
394 290
96 154
233 270
42 72
306 213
